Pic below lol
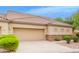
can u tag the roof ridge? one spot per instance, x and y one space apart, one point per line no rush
45 18
20 12
27 14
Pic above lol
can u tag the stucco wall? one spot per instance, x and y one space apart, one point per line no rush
57 30
49 30
4 28
26 26
54 37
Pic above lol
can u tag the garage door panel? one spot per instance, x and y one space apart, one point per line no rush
29 34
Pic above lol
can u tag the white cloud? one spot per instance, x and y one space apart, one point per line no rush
51 10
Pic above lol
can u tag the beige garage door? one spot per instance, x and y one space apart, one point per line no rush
29 34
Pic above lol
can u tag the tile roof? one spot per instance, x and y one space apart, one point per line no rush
28 18
53 22
25 18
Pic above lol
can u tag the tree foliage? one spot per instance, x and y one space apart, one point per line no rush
59 19
69 21
75 19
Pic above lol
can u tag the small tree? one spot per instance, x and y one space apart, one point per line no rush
75 19
75 38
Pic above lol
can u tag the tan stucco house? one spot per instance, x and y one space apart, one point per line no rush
30 27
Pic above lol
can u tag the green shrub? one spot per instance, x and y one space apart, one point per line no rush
75 38
68 38
77 34
9 42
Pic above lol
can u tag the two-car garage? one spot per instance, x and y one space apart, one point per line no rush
29 34
27 26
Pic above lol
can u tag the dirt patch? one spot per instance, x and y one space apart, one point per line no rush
71 45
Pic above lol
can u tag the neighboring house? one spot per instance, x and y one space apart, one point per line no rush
30 27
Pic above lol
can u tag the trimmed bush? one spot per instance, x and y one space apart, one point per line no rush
9 42
68 39
75 38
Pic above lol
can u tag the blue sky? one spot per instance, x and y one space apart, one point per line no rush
48 11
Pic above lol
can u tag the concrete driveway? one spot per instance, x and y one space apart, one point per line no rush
42 47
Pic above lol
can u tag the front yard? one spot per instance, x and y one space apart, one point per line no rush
71 45
10 43
44 47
